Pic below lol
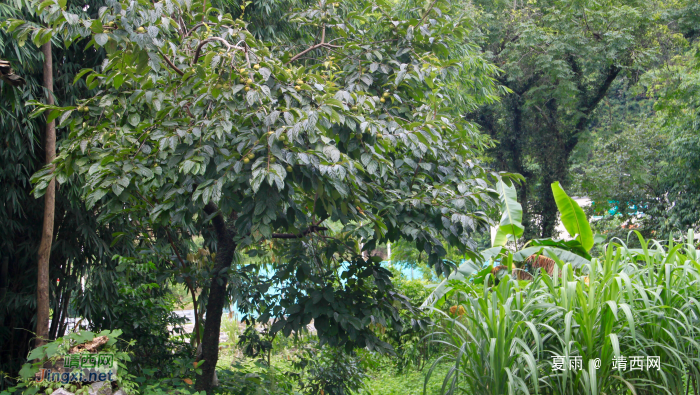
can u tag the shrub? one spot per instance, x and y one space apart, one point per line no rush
408 340
51 353
329 371
142 309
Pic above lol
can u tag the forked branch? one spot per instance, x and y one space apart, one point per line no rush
322 44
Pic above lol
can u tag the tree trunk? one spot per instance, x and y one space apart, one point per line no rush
226 248
549 211
42 288
554 157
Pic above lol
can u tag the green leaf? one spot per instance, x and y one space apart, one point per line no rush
53 115
28 371
511 217
566 256
96 26
81 74
134 119
118 80
101 39
465 270
573 217
37 353
568 245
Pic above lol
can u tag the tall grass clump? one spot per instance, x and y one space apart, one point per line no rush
628 303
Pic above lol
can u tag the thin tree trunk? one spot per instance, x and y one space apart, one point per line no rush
42 288
55 319
196 314
64 315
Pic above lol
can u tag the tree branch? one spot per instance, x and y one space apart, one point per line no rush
427 12
217 220
171 64
309 230
613 71
302 53
195 27
322 44
591 104
205 42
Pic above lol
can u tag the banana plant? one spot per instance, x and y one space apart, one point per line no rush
575 251
510 227
573 217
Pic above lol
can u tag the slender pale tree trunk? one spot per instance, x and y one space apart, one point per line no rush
42 287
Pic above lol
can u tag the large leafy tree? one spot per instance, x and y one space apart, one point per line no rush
559 58
199 127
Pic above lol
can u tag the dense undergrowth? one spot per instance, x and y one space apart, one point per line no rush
500 339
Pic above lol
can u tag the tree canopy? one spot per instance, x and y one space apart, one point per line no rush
559 61
199 127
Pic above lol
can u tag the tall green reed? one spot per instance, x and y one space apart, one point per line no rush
628 303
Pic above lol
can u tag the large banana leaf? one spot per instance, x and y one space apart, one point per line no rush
565 256
512 215
573 217
569 245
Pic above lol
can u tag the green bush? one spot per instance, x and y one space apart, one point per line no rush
256 378
49 354
409 341
143 310
631 302
175 378
330 371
